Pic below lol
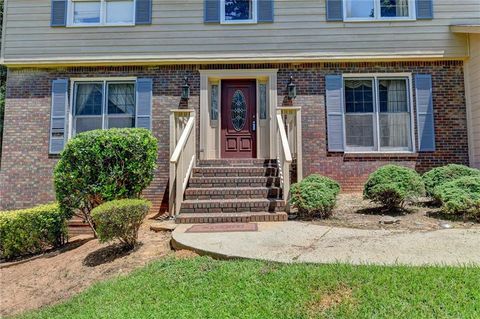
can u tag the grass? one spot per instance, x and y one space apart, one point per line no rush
206 288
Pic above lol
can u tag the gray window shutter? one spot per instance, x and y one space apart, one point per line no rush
143 12
425 120
58 115
265 10
144 103
58 13
212 11
334 10
334 100
424 9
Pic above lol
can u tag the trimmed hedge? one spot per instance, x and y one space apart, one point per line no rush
316 195
392 186
32 230
120 219
103 165
437 176
460 196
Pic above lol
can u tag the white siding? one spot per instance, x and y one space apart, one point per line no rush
473 78
178 32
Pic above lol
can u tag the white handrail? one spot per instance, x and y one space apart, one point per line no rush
284 140
182 141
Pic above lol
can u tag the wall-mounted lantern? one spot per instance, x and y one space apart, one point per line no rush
292 89
185 89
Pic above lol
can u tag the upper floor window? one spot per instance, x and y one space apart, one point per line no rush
101 12
238 11
365 10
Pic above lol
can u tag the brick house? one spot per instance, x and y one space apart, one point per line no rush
244 96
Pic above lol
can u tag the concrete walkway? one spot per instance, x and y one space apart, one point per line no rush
304 242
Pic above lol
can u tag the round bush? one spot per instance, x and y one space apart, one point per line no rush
316 195
437 176
103 165
392 186
460 196
120 219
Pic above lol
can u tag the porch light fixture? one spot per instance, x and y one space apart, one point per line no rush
185 89
292 89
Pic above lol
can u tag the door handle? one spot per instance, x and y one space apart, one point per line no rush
254 126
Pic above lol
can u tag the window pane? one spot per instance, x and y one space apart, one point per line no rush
238 10
121 98
89 99
121 122
393 96
360 8
83 124
359 131
214 103
395 130
263 101
86 12
358 96
120 11
394 8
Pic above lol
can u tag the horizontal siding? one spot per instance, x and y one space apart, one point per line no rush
474 88
300 28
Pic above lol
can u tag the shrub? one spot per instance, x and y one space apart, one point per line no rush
393 186
460 196
32 230
315 195
104 165
437 176
120 219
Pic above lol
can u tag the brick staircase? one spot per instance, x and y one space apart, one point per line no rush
223 191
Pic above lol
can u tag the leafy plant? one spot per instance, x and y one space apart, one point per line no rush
32 230
103 165
316 195
460 196
120 219
440 175
393 186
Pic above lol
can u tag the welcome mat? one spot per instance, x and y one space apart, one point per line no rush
223 228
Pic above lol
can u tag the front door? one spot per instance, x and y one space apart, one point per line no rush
238 113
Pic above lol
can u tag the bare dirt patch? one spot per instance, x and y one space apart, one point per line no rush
55 276
332 299
354 212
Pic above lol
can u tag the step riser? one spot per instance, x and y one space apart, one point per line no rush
186 209
272 194
234 182
234 172
236 163
234 218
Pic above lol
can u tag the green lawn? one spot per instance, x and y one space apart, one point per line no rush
206 288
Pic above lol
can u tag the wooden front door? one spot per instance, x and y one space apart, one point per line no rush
239 109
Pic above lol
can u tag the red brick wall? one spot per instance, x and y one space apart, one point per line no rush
25 176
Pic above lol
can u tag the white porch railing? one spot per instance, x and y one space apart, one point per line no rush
183 152
289 148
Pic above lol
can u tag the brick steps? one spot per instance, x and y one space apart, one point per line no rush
209 182
232 193
238 162
234 171
232 205
241 217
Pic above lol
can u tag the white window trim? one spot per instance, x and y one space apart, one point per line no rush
103 16
378 18
376 76
249 21
71 109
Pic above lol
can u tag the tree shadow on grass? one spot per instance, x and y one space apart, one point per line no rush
108 254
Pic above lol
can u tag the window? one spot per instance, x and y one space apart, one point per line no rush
238 11
377 114
365 10
101 12
102 105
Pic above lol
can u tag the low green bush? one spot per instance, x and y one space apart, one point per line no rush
392 186
103 165
32 230
460 196
120 219
316 195
437 176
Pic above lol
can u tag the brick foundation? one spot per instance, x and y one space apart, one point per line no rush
26 173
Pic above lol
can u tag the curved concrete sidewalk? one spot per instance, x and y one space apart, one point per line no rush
303 242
